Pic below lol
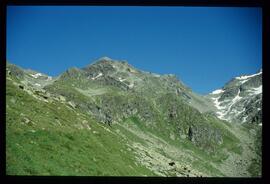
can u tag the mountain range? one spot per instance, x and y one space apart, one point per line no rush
110 118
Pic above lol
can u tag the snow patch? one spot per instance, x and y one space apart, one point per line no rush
37 84
248 76
220 114
260 124
243 81
99 75
217 103
36 75
245 119
239 112
217 91
121 80
236 98
255 91
223 111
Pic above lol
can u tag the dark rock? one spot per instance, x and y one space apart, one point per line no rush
190 133
173 112
21 86
229 93
108 119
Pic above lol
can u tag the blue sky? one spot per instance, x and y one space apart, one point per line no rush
204 46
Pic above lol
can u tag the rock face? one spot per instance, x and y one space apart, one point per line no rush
204 136
240 100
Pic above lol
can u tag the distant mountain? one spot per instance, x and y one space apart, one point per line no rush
240 100
110 118
29 77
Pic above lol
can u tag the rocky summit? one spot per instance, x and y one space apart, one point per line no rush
112 119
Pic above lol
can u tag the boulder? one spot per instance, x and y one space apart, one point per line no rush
21 86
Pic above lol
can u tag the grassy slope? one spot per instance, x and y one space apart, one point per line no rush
44 147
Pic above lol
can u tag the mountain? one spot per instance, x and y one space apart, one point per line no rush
110 118
240 100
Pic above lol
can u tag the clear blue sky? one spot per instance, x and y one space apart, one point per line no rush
204 46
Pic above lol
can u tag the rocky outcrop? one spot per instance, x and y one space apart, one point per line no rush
205 136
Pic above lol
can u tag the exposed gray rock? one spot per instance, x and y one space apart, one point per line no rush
204 136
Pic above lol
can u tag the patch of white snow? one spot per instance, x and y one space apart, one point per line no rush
247 76
236 98
224 110
217 103
99 75
245 119
243 81
217 91
121 80
257 90
36 75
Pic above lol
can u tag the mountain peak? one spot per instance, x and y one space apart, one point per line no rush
105 58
